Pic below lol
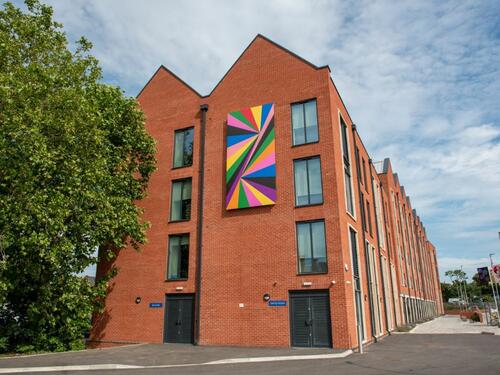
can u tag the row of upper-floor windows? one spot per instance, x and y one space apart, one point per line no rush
307 179
304 130
307 172
308 188
310 242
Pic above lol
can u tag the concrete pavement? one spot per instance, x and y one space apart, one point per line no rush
160 355
425 354
452 324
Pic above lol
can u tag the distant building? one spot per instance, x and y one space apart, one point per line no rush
270 224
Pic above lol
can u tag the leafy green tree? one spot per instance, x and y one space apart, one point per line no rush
448 291
483 290
74 157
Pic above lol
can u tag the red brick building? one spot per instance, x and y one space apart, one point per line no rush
310 245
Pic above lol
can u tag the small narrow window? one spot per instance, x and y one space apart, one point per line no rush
345 142
358 167
363 212
304 123
348 190
311 247
181 200
379 213
347 168
308 186
183 148
178 257
369 218
364 172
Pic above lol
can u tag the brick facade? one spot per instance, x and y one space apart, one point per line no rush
247 253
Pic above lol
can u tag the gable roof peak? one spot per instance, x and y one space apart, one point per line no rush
258 36
168 71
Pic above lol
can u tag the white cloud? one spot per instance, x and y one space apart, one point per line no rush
420 79
468 265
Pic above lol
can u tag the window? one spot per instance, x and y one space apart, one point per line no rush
369 218
311 247
355 261
364 172
345 144
375 285
348 190
347 168
308 189
378 214
183 148
304 123
357 281
358 166
178 257
181 200
363 211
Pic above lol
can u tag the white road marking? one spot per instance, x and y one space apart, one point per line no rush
14 370
281 358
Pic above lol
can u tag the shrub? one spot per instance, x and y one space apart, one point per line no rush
475 317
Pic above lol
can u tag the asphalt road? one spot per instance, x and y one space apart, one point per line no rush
398 354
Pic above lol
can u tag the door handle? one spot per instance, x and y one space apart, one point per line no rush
178 323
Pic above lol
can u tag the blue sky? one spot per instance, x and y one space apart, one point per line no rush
421 79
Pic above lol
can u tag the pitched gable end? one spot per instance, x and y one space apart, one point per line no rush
162 70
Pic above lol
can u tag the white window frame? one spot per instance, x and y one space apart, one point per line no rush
349 227
353 214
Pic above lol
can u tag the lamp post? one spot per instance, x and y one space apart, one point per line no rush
493 282
464 284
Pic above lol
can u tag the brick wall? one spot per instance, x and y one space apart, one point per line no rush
247 253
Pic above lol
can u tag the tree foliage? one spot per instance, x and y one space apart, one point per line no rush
476 291
74 156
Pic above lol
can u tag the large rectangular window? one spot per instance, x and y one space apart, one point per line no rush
311 247
308 189
178 257
181 200
375 288
183 148
357 281
304 123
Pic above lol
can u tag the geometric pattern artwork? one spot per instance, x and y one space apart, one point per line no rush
250 158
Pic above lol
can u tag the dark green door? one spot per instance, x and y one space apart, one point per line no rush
179 318
310 319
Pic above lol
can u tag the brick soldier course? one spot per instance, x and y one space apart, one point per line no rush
240 258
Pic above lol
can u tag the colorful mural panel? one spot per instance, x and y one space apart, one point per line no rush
250 158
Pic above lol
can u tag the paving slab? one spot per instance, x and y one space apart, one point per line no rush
452 324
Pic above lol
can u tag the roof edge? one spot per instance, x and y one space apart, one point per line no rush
293 54
173 75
